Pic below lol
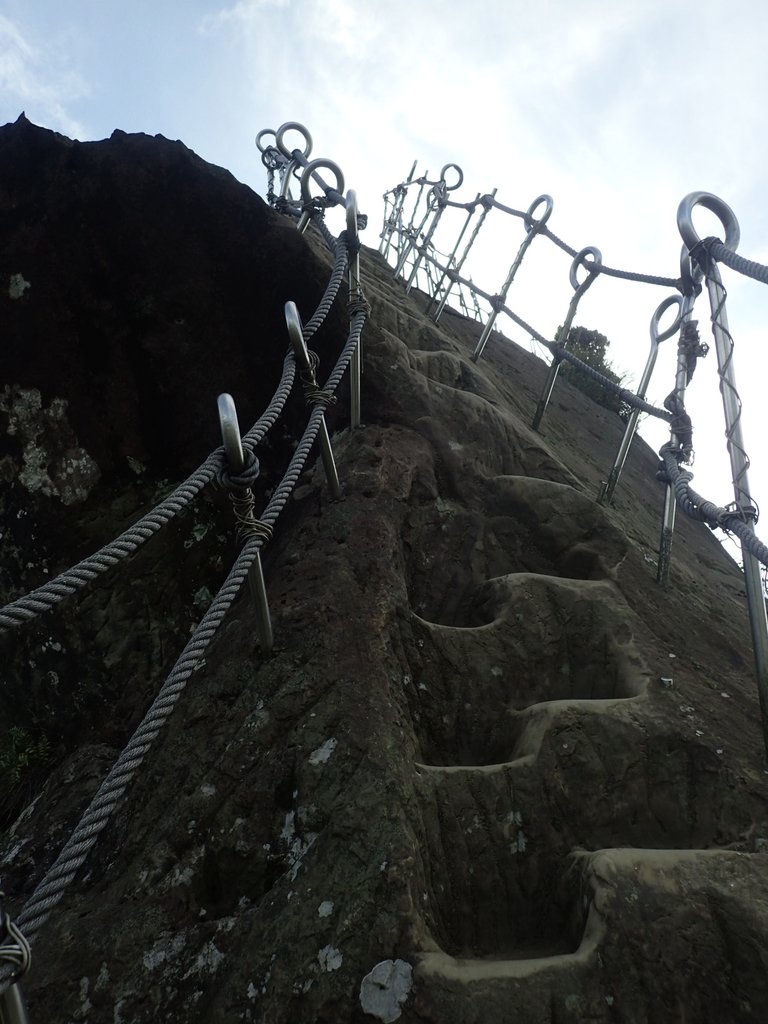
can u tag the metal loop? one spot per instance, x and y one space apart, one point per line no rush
260 136
296 334
230 432
309 172
353 238
721 210
459 172
579 260
296 127
658 336
533 224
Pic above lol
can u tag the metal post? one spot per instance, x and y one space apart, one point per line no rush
487 206
355 295
606 491
293 322
580 289
12 1008
404 234
758 620
233 446
396 216
532 228
439 194
690 277
411 238
439 284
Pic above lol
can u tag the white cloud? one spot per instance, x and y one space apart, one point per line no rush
35 78
244 12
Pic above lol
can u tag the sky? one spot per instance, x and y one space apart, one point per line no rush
617 110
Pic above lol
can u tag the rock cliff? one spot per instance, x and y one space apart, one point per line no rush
489 772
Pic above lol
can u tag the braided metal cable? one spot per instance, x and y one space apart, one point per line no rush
319 221
723 254
51 889
62 871
633 400
626 275
696 507
45 597
610 385
332 288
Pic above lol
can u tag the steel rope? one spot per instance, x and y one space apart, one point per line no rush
45 597
633 400
696 507
50 890
626 275
721 252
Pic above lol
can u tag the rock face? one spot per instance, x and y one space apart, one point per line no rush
457 791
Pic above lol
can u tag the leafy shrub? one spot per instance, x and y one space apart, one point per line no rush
590 347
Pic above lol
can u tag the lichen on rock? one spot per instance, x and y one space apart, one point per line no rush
50 462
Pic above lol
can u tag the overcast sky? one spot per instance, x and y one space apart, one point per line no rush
616 109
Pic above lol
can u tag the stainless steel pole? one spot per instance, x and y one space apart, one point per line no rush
657 336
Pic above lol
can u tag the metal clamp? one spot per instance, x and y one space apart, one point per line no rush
233 446
296 334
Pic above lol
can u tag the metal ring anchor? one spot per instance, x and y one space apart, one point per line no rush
233 446
260 136
296 335
691 275
310 172
534 224
580 260
657 335
721 210
296 127
459 175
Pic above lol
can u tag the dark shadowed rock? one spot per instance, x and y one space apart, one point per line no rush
456 791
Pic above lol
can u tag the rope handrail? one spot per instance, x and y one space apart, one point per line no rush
557 350
704 511
715 248
45 597
50 890
488 201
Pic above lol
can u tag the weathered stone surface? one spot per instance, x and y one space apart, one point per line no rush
458 757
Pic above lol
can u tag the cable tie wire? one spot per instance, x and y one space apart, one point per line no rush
17 951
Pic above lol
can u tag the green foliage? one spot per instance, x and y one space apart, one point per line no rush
19 752
591 348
